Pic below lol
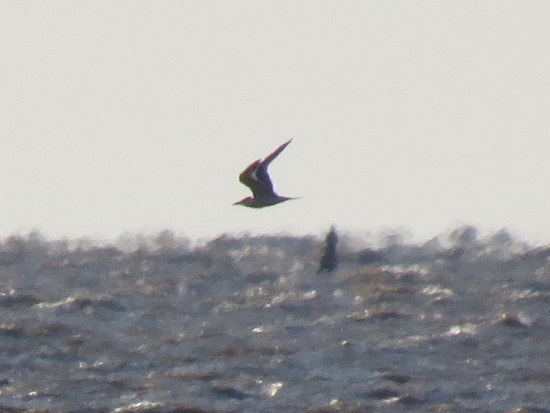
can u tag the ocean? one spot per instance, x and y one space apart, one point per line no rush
460 323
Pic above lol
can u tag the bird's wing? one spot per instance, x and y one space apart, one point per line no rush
249 178
261 170
267 160
255 176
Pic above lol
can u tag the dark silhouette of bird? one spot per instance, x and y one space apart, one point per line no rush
255 177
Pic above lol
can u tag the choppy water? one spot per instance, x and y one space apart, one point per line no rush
247 325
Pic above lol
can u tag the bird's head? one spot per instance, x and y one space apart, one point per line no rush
245 201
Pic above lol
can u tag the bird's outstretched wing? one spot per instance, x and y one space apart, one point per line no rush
255 176
267 160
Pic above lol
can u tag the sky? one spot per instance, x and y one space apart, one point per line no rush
137 116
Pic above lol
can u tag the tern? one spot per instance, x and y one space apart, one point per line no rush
255 177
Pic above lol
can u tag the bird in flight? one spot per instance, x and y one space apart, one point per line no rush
255 177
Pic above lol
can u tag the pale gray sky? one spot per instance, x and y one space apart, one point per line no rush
139 115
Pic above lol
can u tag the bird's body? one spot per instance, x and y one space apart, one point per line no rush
256 178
